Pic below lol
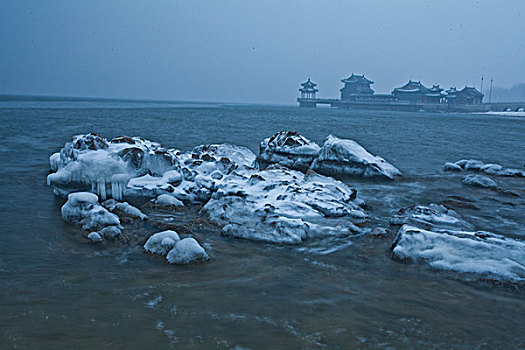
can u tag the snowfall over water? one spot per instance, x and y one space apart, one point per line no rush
288 193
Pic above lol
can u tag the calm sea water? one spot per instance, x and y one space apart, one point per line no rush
59 292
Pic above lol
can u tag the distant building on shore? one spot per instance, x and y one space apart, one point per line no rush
357 93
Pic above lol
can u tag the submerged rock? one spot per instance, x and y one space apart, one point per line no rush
287 148
339 156
482 253
284 206
82 208
176 250
479 181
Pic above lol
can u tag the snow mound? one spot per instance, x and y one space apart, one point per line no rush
82 208
479 181
283 206
185 251
287 148
176 250
482 253
340 156
479 166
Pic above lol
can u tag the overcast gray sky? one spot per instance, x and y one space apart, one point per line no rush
254 51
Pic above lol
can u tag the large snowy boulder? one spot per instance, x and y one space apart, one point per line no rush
176 250
287 148
482 253
284 206
430 217
82 208
340 156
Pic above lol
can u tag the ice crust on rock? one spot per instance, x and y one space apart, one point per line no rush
479 181
287 148
479 166
176 250
283 205
340 156
82 208
132 166
430 217
95 237
482 253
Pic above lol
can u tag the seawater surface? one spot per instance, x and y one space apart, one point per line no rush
58 291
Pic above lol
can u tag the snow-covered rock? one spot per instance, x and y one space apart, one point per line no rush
82 208
430 217
287 148
479 181
176 250
482 253
161 242
452 167
124 209
282 205
185 251
168 201
340 156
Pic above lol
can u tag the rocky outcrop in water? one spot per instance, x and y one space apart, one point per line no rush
478 166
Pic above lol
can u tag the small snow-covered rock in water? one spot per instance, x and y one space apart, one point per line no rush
185 251
95 237
433 216
452 167
479 181
494 169
483 253
124 209
287 148
168 201
340 156
83 208
161 242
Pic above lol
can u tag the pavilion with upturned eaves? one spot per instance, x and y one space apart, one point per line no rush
308 89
